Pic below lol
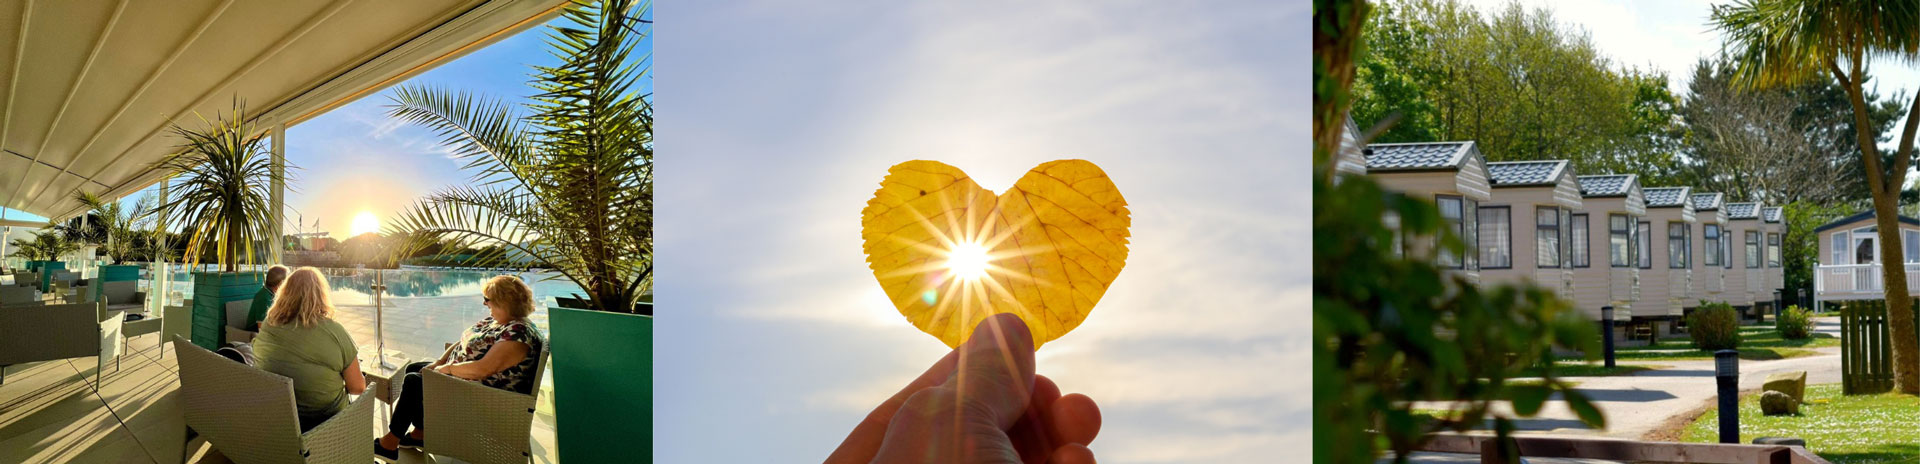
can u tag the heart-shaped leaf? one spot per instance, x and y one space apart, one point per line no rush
949 253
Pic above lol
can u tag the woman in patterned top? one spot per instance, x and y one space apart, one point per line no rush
500 352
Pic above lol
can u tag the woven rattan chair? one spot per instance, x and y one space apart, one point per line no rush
249 414
237 321
54 332
19 296
477 423
123 295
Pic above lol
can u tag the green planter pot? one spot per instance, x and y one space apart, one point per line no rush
602 384
211 293
114 273
46 270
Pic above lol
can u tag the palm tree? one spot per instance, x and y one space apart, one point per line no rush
1784 42
45 246
222 174
118 225
572 183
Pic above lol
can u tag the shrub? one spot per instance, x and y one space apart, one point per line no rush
1714 326
1795 323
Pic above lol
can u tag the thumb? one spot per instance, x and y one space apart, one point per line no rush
995 376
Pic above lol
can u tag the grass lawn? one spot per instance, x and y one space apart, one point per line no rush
1857 429
1757 343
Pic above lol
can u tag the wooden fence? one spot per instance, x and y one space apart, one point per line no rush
1866 349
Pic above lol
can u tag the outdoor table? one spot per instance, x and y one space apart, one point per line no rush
380 380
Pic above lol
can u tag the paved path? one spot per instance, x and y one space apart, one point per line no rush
1636 404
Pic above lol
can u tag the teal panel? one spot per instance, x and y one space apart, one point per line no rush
47 269
119 273
211 292
602 384
114 273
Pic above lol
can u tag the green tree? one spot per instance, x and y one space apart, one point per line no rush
1508 81
1799 247
1786 42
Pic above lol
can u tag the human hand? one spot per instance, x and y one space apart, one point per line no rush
981 403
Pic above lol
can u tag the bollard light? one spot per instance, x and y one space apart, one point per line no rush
1606 333
1726 373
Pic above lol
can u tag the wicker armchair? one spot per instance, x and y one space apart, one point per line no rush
237 321
123 295
473 422
19 296
48 333
249 414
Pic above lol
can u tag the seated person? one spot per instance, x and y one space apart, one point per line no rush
500 351
300 340
264 298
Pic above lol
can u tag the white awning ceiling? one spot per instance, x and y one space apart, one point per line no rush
88 89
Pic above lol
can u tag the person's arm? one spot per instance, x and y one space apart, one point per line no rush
504 354
356 381
444 356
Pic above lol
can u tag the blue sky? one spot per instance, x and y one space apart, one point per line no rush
781 117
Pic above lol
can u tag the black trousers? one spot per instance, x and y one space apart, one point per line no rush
407 409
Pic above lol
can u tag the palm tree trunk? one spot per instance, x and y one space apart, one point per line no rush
1893 269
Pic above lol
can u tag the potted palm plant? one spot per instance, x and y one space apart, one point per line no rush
43 253
570 185
222 174
117 233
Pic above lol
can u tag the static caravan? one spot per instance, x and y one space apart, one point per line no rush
1453 174
1608 273
1666 288
1710 267
1352 158
1532 203
1849 267
1745 275
1774 223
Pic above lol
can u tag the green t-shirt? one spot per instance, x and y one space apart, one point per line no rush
262 300
313 357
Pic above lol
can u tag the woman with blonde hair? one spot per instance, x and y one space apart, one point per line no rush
500 351
300 340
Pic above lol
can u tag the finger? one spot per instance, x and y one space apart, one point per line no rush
1072 454
995 375
1075 419
864 442
1030 436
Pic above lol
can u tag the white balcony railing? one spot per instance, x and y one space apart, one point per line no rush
1857 281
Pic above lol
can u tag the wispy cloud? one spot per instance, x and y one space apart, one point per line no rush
776 131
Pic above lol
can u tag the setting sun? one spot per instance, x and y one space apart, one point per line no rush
363 223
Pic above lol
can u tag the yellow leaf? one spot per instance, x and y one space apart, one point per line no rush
949 253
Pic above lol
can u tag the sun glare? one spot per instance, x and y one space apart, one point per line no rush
967 261
365 222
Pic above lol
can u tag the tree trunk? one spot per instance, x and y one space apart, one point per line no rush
1906 379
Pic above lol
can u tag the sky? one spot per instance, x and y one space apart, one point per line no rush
781 117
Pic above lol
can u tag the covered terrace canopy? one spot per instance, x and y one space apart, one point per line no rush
88 89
